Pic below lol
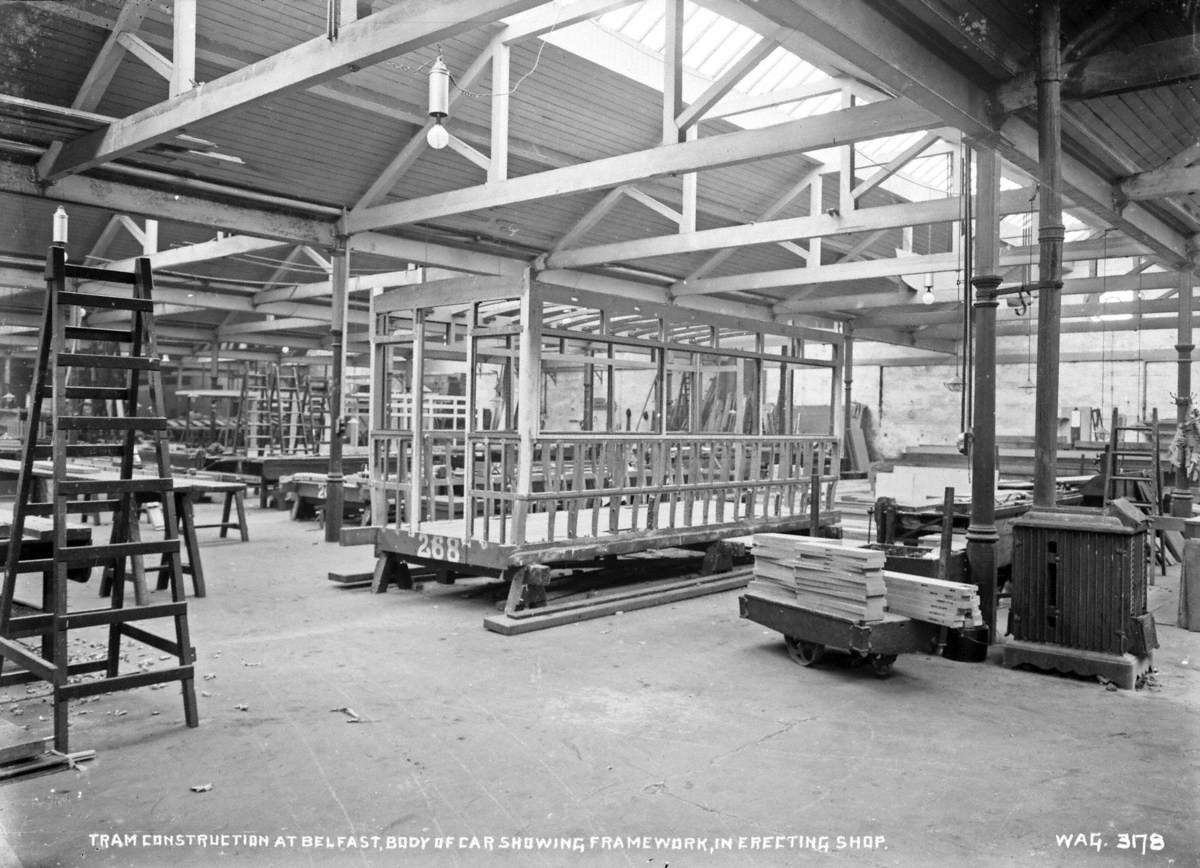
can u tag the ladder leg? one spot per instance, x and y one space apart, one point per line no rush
60 659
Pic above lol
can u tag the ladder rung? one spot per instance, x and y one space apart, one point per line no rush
112 423
1131 478
97 617
89 360
108 393
82 450
114 486
105 552
38 565
87 333
74 507
81 689
107 275
109 302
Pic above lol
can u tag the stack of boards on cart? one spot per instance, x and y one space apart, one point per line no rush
821 575
827 577
950 604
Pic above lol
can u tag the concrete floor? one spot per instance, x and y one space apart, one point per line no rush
678 722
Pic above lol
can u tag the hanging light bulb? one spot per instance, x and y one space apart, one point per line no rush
437 137
439 104
928 298
61 221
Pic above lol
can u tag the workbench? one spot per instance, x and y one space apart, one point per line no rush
185 491
267 470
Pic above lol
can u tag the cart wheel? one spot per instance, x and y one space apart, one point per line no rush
881 664
804 653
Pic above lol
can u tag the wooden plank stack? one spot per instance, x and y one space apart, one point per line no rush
821 575
951 604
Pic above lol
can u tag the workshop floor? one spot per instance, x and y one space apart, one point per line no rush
681 723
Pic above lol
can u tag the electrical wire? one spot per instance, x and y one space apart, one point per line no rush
520 81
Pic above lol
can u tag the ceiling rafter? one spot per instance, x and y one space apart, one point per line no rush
850 125
390 32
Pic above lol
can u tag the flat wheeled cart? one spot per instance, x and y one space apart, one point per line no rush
809 634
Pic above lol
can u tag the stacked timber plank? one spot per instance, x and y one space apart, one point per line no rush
820 575
951 604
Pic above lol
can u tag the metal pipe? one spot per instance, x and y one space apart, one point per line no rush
982 535
1181 497
1050 242
334 493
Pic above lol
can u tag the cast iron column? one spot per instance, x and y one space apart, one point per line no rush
1181 497
334 495
981 533
847 385
1050 240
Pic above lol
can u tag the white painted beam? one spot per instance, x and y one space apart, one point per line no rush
858 124
205 251
882 51
769 213
700 106
497 167
740 103
850 271
103 68
556 16
672 89
258 327
358 283
896 163
182 206
470 154
818 225
148 55
593 216
183 55
427 253
653 204
1161 182
396 30
414 147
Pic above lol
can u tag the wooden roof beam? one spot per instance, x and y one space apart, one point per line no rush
857 124
741 103
357 283
817 225
769 213
204 251
851 271
593 216
103 67
898 162
1161 182
396 30
1156 64
700 107
877 303
133 198
882 52
147 54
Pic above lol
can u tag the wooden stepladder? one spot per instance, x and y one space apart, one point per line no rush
129 358
1133 470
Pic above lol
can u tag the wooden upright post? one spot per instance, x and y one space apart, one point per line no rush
334 493
417 391
1050 240
982 535
183 44
528 401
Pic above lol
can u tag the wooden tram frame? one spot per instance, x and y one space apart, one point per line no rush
592 495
